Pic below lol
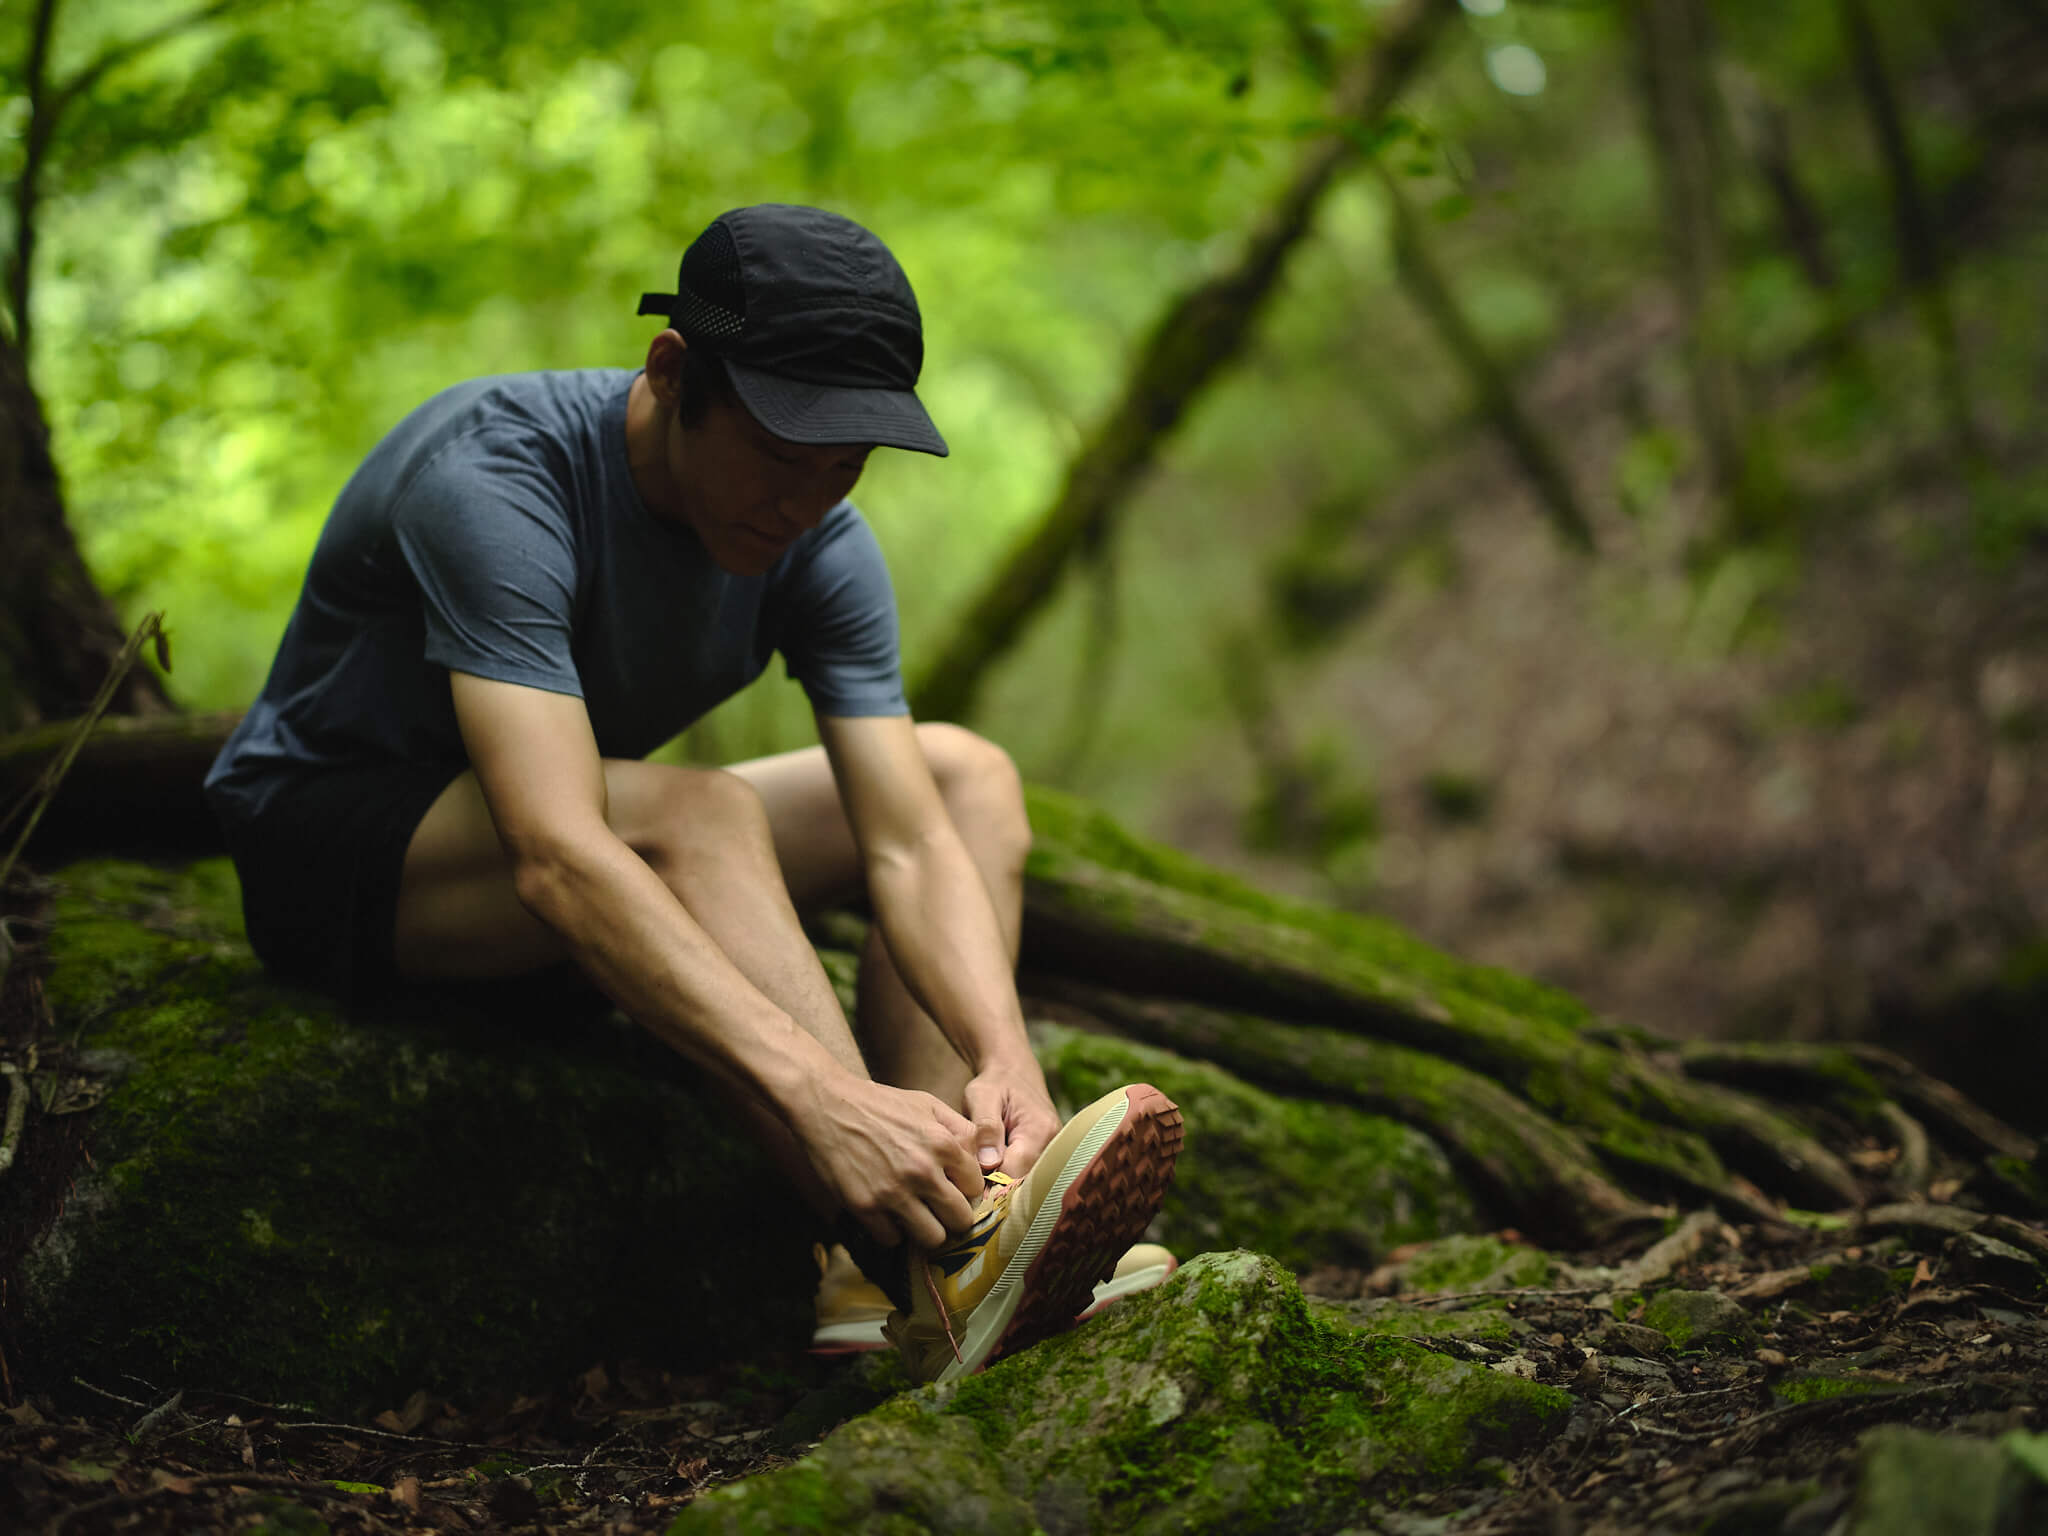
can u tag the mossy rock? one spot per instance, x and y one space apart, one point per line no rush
1700 1320
1852 1285
1304 1182
294 1202
1475 1262
1911 1482
1216 1402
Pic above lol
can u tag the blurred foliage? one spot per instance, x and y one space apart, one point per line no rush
269 236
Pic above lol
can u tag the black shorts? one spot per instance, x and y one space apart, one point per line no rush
320 867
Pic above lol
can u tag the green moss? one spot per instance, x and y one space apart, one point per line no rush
1815 1387
1217 1401
1483 1322
288 1201
1306 1182
1477 1263
1066 828
1540 1043
1699 1320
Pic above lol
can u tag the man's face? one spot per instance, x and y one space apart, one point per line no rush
749 494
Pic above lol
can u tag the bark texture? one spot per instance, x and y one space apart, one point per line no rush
58 633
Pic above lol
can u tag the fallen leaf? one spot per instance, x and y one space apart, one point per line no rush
1923 1272
407 1491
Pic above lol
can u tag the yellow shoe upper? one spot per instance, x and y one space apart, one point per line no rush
987 1265
845 1295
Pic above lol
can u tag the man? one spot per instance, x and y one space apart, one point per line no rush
535 580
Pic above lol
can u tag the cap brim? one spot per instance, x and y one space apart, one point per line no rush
829 413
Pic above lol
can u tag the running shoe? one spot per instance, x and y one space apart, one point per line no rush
851 1308
1028 1266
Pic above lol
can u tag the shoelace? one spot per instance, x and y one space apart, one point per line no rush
996 1189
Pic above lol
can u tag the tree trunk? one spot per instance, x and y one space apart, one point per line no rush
1675 60
1495 392
1191 342
58 634
1919 247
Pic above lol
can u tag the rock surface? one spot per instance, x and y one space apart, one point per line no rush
1214 1403
291 1202
1913 1483
1700 1320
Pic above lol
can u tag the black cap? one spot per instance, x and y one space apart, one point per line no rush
815 322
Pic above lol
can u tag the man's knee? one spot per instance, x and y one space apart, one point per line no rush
981 787
692 819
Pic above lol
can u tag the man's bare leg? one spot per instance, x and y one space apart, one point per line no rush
703 832
820 863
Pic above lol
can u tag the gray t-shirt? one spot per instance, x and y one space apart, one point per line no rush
497 531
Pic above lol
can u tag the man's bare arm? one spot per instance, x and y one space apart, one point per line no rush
941 928
889 1158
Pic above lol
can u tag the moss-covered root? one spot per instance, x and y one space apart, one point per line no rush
1533 1173
1882 1091
1112 910
1214 1403
1303 1181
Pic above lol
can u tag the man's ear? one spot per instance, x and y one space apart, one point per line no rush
665 366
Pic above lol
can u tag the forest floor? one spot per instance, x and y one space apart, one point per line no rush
1896 1326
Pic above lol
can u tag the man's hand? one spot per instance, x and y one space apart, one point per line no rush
1012 1114
900 1162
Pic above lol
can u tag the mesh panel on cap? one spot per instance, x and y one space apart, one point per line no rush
713 303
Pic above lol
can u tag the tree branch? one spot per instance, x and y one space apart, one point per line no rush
25 186
1189 344
46 110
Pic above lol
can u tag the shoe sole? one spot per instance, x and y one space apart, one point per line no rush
1099 1206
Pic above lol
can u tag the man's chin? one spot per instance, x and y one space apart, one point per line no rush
747 559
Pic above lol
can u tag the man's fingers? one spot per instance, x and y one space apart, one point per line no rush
963 1177
985 1105
921 1227
1027 1142
948 1211
880 1226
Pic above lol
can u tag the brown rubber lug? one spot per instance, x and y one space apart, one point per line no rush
1105 1211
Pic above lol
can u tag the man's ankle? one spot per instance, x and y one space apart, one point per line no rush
887 1267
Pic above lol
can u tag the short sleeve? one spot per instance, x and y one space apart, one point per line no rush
490 545
839 632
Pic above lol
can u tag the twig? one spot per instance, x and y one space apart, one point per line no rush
1524 1290
600 1466
1670 1398
1662 1257
80 1381
40 794
446 1445
1913 1168
17 1113
1818 1408
184 1485
155 1419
